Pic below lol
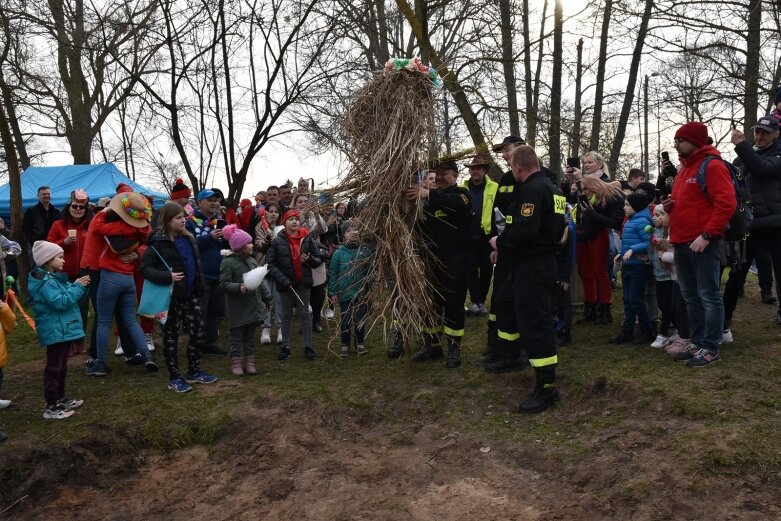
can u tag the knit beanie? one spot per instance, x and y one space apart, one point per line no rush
237 238
694 132
44 251
288 214
777 99
180 190
639 202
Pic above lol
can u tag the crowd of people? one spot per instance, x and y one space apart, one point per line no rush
520 239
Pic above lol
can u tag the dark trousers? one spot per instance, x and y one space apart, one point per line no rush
55 372
317 299
352 314
450 294
664 299
525 300
767 238
501 272
563 302
124 336
213 309
680 312
187 313
764 270
480 270
633 278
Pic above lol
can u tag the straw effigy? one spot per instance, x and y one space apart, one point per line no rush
387 129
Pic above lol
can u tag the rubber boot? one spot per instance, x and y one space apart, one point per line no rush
251 369
589 313
545 393
428 350
398 346
491 353
511 358
603 314
236 369
453 352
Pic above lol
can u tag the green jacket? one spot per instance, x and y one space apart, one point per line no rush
350 267
489 194
242 309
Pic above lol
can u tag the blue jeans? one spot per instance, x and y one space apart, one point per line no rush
699 280
633 278
118 290
352 314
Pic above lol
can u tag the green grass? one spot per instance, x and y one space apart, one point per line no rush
721 419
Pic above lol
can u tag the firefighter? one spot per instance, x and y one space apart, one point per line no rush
448 213
527 246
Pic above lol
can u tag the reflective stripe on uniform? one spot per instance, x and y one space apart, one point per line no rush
508 336
432 330
506 189
542 362
491 317
453 332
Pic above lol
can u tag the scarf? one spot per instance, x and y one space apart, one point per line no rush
295 252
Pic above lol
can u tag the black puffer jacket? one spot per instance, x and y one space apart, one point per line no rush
280 261
153 269
592 221
763 171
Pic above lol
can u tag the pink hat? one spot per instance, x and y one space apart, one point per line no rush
237 238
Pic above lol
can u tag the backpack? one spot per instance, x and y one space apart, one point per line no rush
739 225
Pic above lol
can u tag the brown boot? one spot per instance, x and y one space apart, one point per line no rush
236 369
251 364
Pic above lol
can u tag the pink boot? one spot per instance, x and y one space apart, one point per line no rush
236 369
251 364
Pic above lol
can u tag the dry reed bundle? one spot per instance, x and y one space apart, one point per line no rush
387 129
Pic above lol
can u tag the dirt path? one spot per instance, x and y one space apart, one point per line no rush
293 462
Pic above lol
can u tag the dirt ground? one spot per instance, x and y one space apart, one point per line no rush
300 461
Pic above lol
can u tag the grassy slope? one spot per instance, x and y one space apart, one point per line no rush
722 419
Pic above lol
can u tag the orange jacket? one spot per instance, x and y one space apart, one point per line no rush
8 322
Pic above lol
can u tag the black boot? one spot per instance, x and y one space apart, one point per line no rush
511 359
428 350
623 337
589 313
545 393
398 346
603 315
491 353
645 335
563 338
453 352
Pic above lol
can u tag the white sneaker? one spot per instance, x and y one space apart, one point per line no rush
362 349
118 351
265 336
345 352
150 342
4 404
279 336
329 313
659 342
726 336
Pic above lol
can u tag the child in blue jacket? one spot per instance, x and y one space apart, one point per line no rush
635 269
347 276
57 322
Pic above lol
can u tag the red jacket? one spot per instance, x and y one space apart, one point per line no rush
107 259
73 252
693 212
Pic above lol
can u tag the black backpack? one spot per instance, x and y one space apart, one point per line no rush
739 225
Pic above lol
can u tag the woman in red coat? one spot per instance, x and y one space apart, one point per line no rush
70 234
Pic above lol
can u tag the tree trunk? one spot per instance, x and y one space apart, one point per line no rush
449 79
596 124
753 51
554 126
15 182
509 67
626 108
574 150
527 69
531 136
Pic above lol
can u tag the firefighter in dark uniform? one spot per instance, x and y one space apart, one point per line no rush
448 213
535 223
493 359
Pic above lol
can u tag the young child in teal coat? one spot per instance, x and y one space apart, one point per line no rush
57 322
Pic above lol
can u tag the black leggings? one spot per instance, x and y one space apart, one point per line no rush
317 299
680 312
664 299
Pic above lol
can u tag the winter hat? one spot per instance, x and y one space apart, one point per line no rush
288 214
124 188
244 203
180 190
237 238
694 132
639 202
133 208
103 202
646 187
777 99
44 251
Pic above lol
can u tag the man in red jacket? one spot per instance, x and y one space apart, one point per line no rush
697 224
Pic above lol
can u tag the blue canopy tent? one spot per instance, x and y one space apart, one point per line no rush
99 180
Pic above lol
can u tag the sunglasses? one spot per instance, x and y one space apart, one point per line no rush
78 206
